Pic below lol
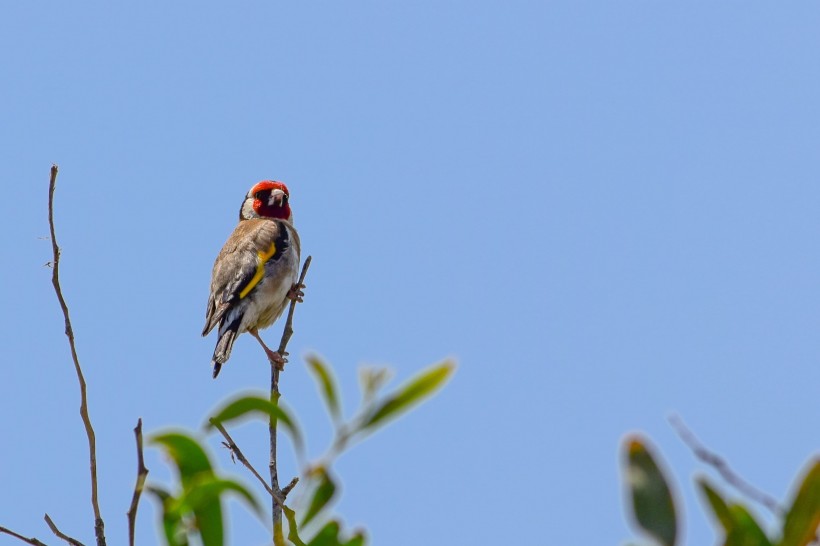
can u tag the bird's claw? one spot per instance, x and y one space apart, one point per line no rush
278 360
295 293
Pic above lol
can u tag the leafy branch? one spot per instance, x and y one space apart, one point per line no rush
656 513
194 508
320 484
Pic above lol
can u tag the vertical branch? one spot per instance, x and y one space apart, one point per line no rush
142 472
278 537
99 526
288 332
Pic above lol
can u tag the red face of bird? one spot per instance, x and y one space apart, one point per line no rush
267 199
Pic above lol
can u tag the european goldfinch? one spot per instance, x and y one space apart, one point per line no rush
255 274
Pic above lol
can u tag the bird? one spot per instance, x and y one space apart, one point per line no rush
255 274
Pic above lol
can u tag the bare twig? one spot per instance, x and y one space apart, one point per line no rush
60 534
289 487
99 526
142 472
722 467
288 331
236 452
278 537
27 540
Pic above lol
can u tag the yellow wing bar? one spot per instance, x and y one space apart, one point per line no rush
260 270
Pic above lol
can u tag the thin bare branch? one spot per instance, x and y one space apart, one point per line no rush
722 467
288 331
60 534
236 452
142 473
99 526
278 537
27 540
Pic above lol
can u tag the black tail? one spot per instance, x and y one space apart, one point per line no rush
222 352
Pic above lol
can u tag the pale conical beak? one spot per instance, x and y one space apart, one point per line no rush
277 197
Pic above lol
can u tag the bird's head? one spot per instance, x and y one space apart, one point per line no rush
267 199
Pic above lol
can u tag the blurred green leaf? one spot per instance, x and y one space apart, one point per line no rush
740 526
210 488
745 530
246 405
652 502
803 518
194 467
293 531
327 536
372 379
325 489
356 540
208 519
409 394
719 507
171 518
327 385
189 457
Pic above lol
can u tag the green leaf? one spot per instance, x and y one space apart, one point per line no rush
327 536
409 394
194 467
189 457
327 385
208 519
246 405
211 488
171 518
719 507
740 526
803 517
293 531
652 502
323 493
356 540
745 531
205 500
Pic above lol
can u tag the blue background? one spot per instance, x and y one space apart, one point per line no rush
607 212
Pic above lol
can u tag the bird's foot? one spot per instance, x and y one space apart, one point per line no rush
295 293
277 360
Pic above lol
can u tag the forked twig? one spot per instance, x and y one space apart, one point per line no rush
722 467
27 540
142 473
99 526
60 534
235 451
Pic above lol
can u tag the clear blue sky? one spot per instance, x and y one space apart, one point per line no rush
606 211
